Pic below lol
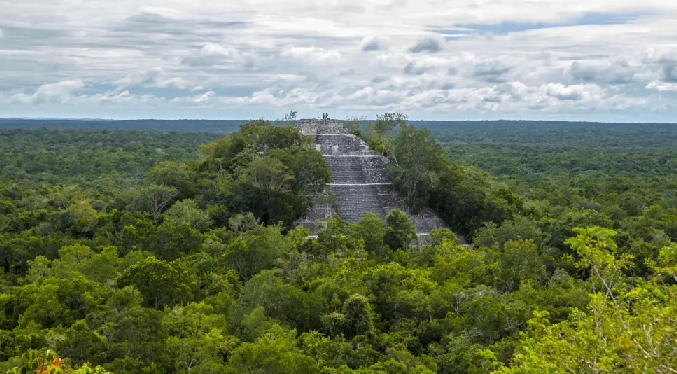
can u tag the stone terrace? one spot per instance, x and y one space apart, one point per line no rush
359 179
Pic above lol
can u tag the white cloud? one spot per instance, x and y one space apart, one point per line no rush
346 55
662 86
573 92
312 53
50 93
213 49
155 77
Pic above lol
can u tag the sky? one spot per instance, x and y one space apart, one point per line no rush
593 60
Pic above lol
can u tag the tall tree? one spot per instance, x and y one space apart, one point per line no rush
161 283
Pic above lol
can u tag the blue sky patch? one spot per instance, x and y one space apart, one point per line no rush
506 27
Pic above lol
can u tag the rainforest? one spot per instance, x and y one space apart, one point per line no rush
172 247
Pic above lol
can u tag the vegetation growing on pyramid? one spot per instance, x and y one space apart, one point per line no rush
422 172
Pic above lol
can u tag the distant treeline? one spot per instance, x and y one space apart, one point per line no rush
576 134
657 130
537 125
195 126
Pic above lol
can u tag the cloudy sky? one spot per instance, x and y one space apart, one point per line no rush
608 60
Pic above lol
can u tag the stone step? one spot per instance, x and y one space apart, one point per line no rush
346 170
340 144
354 201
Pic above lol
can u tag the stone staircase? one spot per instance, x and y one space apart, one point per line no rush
345 169
356 200
340 144
359 179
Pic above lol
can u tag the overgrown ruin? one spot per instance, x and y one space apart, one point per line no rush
359 180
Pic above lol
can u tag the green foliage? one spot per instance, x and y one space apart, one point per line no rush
380 133
161 283
629 329
372 230
274 352
358 316
172 174
82 216
175 240
519 228
423 175
155 198
269 171
144 257
399 233
278 300
82 345
49 362
255 250
518 263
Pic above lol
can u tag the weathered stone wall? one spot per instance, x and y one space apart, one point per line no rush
340 144
359 179
320 126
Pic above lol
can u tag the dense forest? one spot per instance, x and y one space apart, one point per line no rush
175 252
190 126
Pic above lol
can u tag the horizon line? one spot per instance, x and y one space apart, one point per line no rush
280 120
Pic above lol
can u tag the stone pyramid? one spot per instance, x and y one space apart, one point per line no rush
359 179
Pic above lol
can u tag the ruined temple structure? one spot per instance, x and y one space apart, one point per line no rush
359 179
